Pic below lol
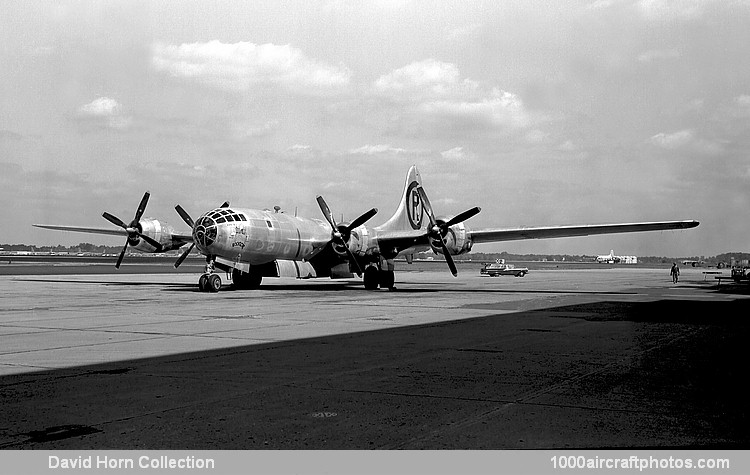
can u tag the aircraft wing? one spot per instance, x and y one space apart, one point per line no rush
400 240
110 231
514 234
177 239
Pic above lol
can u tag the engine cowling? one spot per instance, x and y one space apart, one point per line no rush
359 241
159 231
456 239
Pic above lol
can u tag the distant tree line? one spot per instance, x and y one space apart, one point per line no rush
725 258
84 247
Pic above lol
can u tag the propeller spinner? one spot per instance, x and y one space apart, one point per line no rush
134 229
438 230
340 234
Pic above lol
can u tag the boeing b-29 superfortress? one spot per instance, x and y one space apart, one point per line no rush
249 244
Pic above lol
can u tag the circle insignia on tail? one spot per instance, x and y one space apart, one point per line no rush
414 208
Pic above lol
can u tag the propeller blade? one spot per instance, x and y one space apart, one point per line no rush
362 219
183 256
353 259
327 212
427 206
185 217
449 260
462 217
122 254
436 232
114 220
151 241
141 207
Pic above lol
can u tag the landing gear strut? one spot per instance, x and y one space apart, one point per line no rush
375 276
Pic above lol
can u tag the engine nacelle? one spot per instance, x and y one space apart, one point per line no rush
159 231
456 239
359 241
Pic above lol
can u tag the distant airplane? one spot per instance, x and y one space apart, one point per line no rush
608 258
249 244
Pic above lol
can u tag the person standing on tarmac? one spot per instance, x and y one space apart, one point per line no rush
675 273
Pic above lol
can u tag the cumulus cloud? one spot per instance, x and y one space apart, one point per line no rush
376 150
432 93
242 66
456 153
673 140
104 111
501 108
101 107
428 78
687 141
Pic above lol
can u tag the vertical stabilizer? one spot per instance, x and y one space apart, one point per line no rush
410 213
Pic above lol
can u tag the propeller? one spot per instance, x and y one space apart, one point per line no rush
189 221
438 230
340 234
134 229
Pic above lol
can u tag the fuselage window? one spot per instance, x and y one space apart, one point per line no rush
242 217
269 224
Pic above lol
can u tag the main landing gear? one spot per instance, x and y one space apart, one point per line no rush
375 276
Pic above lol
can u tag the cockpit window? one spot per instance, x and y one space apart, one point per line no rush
205 230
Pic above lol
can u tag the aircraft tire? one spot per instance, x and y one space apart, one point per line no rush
203 283
214 283
387 279
371 278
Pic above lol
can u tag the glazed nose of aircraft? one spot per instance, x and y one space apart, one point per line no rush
204 231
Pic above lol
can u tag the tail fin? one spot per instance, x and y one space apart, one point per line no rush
410 213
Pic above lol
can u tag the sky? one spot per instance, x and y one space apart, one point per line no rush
541 113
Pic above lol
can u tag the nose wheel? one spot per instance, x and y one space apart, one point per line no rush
209 282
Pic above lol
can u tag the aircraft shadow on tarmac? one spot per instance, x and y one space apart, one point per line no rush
608 374
332 286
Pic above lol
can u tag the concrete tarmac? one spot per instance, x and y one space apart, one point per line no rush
612 357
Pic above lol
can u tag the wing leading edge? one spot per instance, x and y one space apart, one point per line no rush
178 239
515 234
110 231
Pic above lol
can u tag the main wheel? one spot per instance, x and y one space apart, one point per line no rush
387 279
214 283
371 279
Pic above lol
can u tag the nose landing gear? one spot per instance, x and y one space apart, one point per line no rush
208 281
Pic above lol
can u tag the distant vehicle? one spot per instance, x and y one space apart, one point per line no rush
499 267
693 263
741 271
